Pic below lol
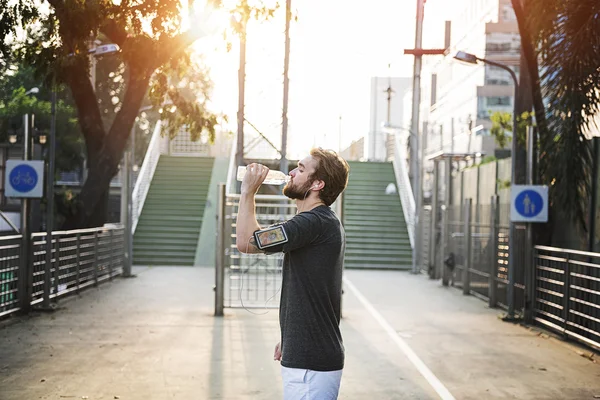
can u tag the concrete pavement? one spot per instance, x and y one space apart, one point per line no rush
406 337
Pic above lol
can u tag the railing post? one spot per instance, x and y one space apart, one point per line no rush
77 260
530 285
431 268
467 230
220 262
493 246
57 265
445 270
96 258
47 270
566 304
111 254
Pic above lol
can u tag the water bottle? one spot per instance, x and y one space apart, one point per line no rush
274 177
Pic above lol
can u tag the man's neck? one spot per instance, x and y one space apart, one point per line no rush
308 204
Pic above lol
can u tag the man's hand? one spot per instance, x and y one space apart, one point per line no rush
255 176
277 354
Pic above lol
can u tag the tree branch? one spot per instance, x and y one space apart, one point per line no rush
533 68
169 47
115 32
88 112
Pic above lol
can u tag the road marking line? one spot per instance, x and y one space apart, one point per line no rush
435 383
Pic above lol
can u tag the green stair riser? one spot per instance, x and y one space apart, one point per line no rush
376 232
169 225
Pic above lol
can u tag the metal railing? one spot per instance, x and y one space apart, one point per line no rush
158 145
80 258
183 145
248 280
425 240
567 293
404 188
474 253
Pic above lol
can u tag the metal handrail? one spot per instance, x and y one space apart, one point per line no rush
142 184
231 171
71 232
404 187
568 251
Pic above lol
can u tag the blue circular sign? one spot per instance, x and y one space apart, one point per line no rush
23 178
529 203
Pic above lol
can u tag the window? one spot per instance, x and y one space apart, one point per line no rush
498 101
508 14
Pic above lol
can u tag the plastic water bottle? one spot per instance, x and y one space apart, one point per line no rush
274 177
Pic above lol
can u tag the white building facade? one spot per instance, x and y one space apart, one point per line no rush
460 98
384 111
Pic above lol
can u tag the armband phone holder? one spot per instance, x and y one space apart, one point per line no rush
270 237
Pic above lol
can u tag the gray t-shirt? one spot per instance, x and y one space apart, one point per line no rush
311 293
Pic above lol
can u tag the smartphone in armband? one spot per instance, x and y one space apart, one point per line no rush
270 237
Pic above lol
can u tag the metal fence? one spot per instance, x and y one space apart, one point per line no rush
567 293
80 258
425 241
475 252
248 280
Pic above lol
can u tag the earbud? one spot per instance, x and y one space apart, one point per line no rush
315 187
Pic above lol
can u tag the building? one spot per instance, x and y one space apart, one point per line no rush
459 97
387 96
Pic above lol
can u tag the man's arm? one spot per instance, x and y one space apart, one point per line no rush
246 223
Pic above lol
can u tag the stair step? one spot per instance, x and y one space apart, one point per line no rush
380 260
361 265
170 222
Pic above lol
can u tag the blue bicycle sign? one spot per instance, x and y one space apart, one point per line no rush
24 178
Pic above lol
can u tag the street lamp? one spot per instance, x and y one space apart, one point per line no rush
32 91
473 59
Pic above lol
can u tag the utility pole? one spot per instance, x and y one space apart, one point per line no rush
416 96
50 200
418 52
26 278
239 155
286 88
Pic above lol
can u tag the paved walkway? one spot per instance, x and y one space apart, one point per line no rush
406 337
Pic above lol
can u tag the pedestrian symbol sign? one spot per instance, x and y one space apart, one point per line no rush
529 203
24 178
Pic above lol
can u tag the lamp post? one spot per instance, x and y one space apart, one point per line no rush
473 59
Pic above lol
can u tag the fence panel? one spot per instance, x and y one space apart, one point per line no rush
425 224
10 256
481 246
253 280
567 296
456 243
80 258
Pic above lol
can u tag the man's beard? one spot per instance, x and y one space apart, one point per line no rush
297 193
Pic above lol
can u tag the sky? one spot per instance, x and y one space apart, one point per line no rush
336 47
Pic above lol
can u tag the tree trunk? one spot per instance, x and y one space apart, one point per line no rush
91 203
532 95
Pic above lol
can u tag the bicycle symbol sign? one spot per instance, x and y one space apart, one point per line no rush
24 178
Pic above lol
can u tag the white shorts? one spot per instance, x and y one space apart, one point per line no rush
306 384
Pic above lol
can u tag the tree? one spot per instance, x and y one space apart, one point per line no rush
14 103
502 124
152 48
561 44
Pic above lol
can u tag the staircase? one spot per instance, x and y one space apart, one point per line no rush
376 233
169 225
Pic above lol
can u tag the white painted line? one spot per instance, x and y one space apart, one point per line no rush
435 383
